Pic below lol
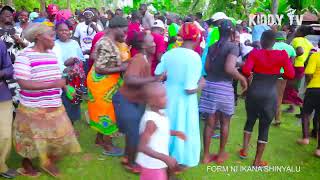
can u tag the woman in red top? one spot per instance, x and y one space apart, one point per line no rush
261 101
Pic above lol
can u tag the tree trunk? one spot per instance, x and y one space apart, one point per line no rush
69 4
42 5
275 7
195 5
9 2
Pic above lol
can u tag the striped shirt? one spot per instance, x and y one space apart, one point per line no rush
32 65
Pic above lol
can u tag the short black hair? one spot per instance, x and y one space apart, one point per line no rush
162 18
117 22
135 15
137 40
239 28
143 5
188 19
268 39
6 8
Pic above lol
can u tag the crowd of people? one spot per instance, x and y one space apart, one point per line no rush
151 78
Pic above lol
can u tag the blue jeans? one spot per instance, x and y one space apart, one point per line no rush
128 117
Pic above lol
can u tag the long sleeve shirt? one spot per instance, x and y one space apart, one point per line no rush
6 73
268 62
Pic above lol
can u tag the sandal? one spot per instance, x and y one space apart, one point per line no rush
180 169
115 151
262 164
117 134
276 123
47 170
10 174
135 168
23 172
216 136
211 160
220 161
124 160
243 155
303 141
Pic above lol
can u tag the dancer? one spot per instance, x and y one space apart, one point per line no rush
217 98
261 100
183 66
312 99
41 128
154 156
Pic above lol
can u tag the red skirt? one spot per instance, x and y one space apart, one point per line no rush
291 93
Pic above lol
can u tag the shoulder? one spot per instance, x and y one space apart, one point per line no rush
73 42
255 51
151 116
2 45
315 56
27 52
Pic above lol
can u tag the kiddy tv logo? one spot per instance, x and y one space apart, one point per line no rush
271 19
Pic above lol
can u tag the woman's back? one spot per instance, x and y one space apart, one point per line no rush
182 65
217 58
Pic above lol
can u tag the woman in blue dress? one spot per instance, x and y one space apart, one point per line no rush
183 67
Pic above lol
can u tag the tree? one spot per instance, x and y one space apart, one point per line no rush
42 5
9 2
275 7
68 4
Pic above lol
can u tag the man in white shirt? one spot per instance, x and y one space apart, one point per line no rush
148 18
86 31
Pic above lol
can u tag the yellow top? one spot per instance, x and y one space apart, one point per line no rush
313 68
306 45
124 51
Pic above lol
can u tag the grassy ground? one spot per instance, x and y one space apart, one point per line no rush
281 151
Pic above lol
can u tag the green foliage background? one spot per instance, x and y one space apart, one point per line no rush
238 9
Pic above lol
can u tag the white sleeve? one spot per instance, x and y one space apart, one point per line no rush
100 28
77 31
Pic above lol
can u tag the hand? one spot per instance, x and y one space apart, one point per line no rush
86 52
70 61
94 27
17 39
181 135
244 85
171 163
162 77
202 83
124 66
247 43
59 83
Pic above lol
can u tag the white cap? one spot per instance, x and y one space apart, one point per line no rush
218 16
158 23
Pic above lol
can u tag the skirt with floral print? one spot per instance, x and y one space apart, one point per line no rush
43 132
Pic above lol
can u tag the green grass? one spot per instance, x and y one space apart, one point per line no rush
282 150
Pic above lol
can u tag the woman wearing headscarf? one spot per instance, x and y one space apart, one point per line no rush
42 128
183 68
103 82
217 98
